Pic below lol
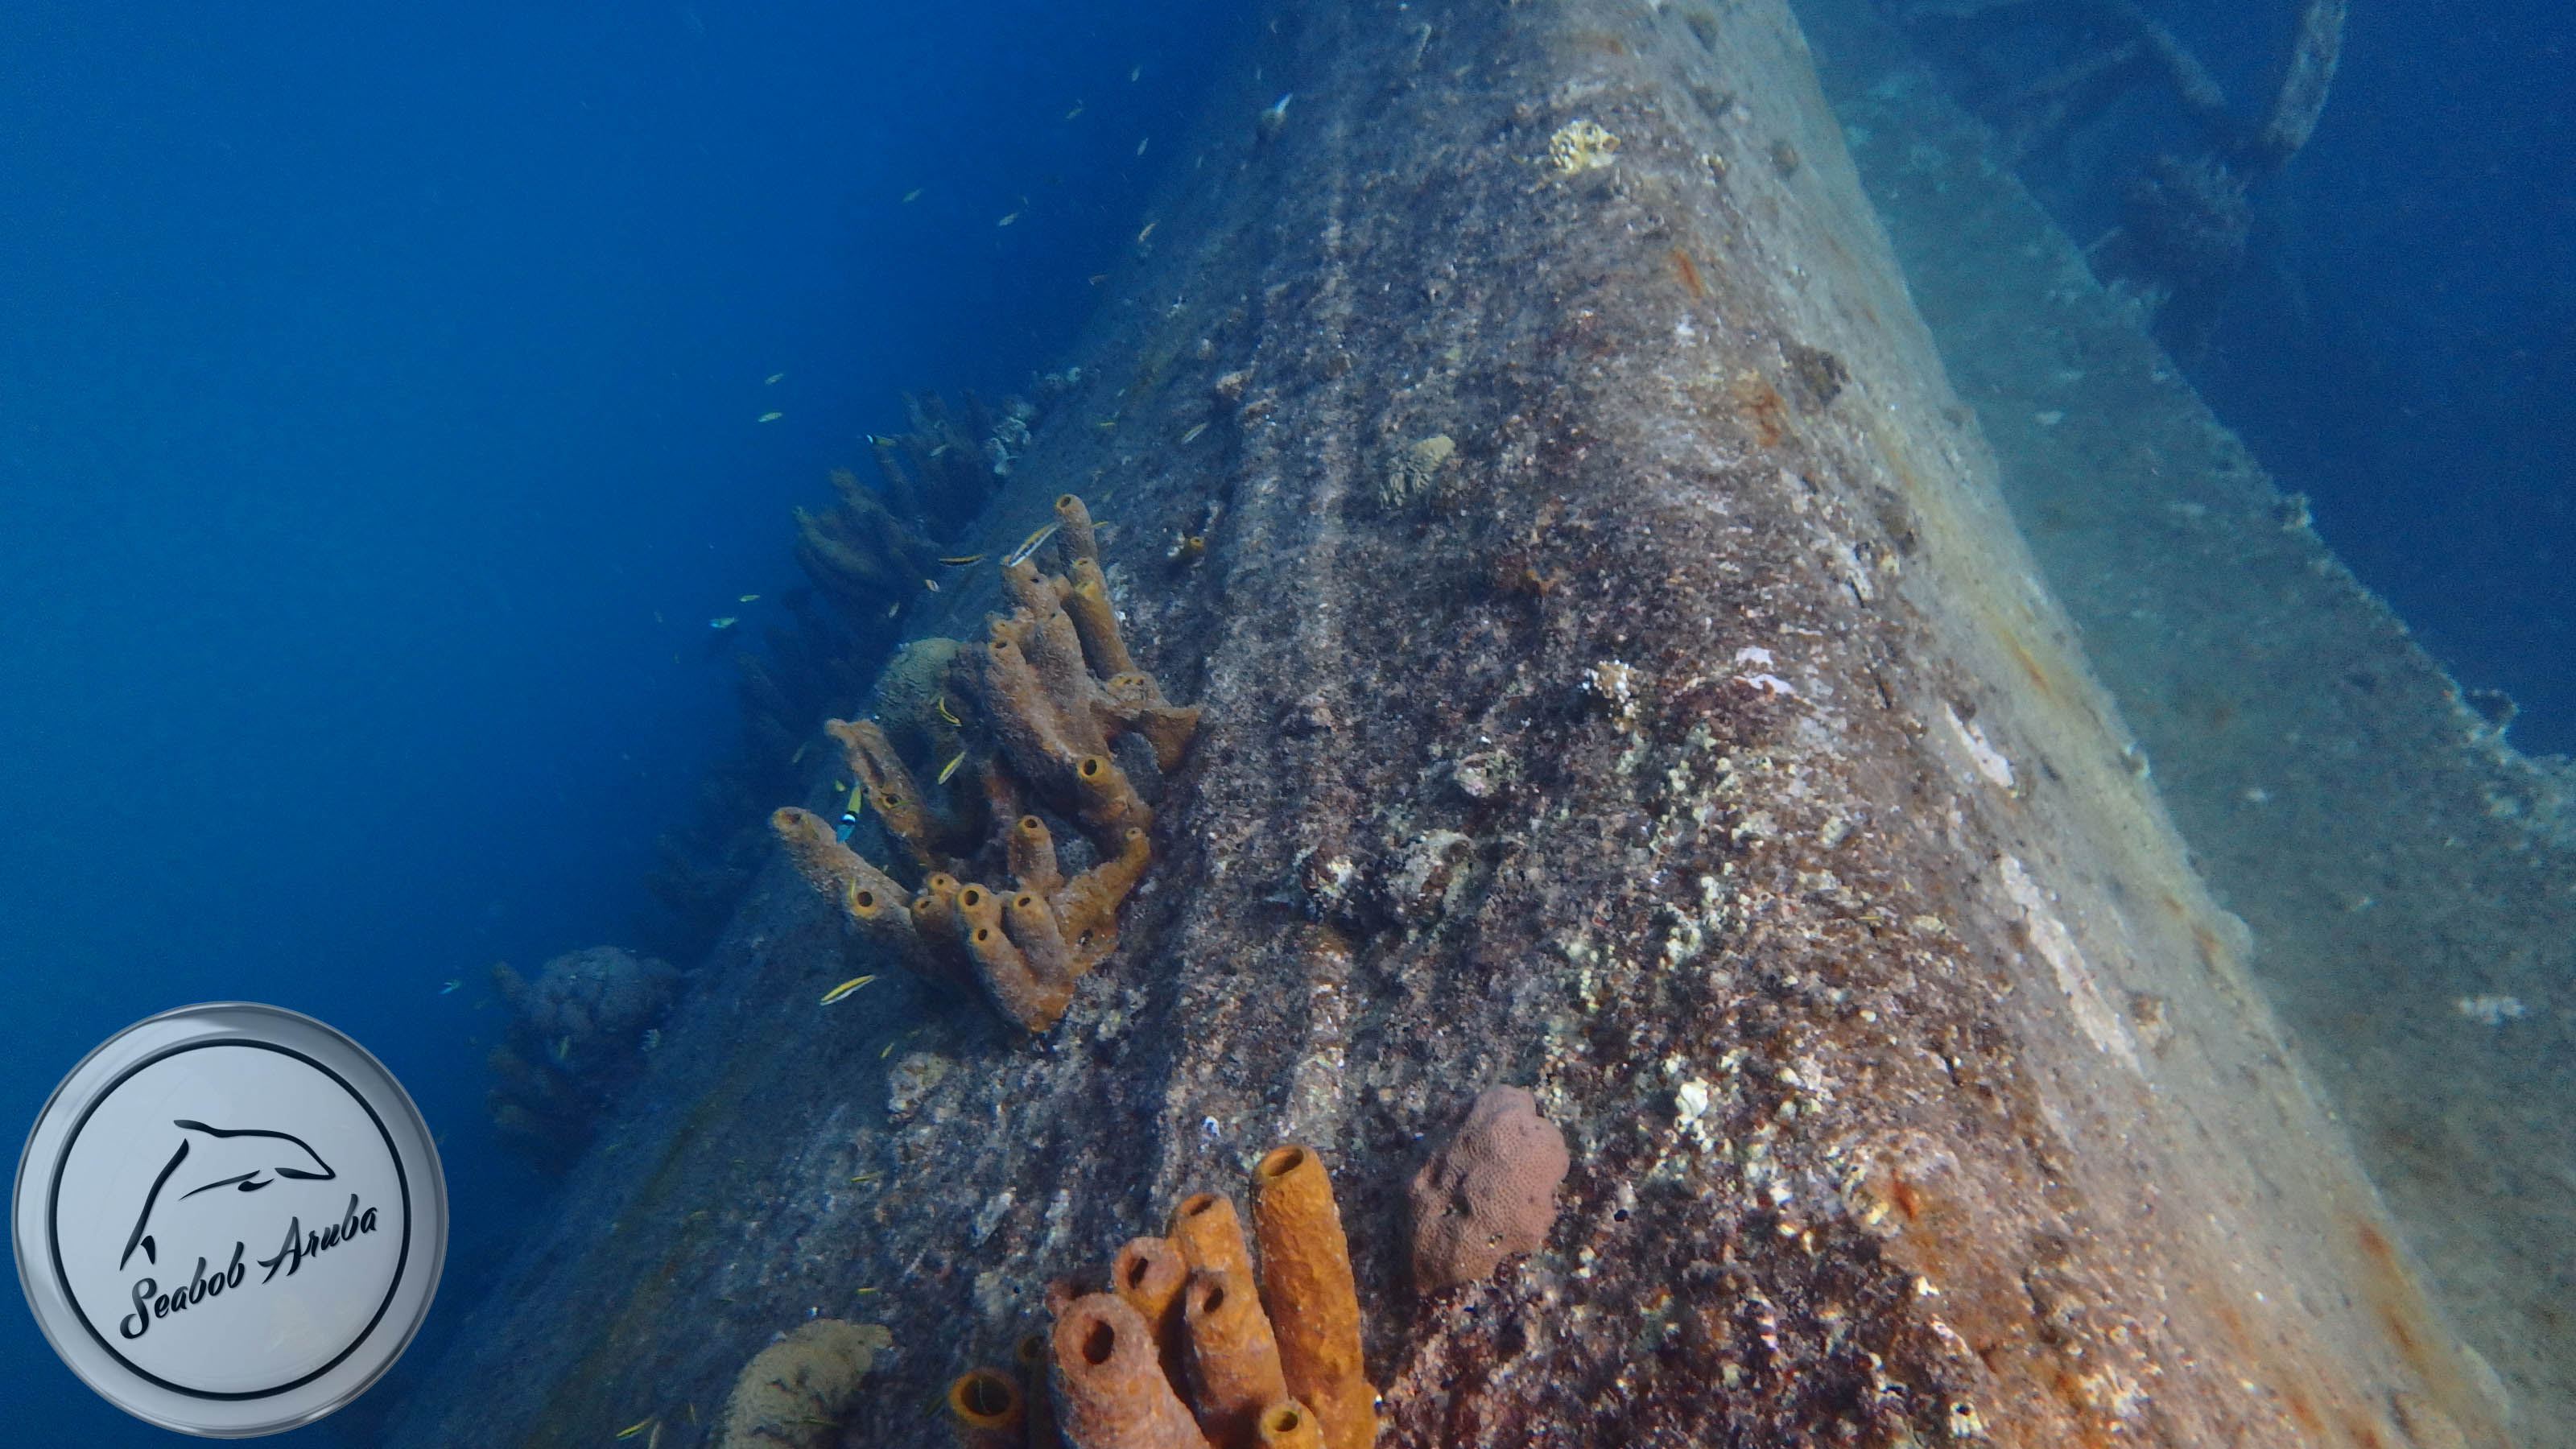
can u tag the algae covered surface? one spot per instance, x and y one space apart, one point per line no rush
1685 737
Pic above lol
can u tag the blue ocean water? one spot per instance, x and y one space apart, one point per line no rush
2401 342
379 432
2404 346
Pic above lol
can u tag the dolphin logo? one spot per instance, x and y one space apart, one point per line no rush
244 1159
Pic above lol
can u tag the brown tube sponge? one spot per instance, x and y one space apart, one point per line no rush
891 790
987 1410
1209 1235
1234 1358
1087 604
1051 690
1109 802
1287 1425
1075 522
865 894
1030 848
1030 923
1149 1274
1003 969
1031 1354
1110 1392
1314 1303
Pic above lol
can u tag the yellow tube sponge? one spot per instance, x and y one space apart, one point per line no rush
1074 521
1030 848
1015 986
867 896
1110 1392
910 815
1087 604
1048 698
1234 1356
1149 1274
986 1408
1313 1300
1285 1424
1209 1235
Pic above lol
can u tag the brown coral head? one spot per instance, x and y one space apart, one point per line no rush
1489 1193
986 1399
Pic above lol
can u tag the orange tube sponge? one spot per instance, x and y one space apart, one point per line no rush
987 1410
1314 1303
1110 1392
1234 1357
1149 1274
1285 1424
1209 1235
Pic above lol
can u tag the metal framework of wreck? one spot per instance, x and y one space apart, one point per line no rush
1620 678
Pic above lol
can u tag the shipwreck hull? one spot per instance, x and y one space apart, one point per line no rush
1690 741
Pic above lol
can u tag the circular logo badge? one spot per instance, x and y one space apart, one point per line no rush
230 1219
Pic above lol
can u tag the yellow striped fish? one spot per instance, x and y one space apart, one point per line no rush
845 988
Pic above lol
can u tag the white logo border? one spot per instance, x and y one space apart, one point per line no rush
406 1134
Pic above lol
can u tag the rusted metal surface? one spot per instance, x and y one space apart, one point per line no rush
1690 741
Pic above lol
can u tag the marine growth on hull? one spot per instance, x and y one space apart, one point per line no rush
1026 726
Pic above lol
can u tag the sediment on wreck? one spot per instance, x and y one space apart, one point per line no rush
1621 680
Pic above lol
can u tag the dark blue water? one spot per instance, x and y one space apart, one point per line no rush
2401 344
2404 347
378 399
